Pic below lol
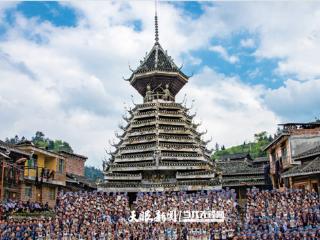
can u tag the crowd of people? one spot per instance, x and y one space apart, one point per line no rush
10 206
290 214
182 202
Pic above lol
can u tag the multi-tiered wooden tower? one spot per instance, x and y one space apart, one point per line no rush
160 148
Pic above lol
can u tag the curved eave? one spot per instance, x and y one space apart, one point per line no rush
297 174
135 76
176 83
189 185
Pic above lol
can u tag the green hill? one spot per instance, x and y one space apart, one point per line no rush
93 173
253 148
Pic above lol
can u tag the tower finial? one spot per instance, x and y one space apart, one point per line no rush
156 21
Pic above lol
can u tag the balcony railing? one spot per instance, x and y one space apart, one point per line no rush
42 174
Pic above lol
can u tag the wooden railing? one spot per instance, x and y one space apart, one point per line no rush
43 174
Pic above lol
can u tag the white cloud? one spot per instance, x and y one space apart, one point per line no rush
231 110
287 31
192 60
224 54
296 100
67 82
69 87
247 43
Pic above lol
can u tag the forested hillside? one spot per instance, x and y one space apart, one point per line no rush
93 173
253 148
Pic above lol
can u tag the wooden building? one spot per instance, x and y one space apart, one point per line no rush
12 162
160 148
76 181
306 175
74 162
240 171
293 140
31 173
44 174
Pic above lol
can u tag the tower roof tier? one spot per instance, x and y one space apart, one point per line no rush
160 147
187 185
149 166
158 70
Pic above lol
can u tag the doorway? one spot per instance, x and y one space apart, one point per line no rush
39 194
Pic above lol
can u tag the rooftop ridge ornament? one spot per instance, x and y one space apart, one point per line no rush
157 67
156 22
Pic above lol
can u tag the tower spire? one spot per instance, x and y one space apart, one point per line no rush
156 21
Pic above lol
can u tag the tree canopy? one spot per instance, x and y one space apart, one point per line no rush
93 173
253 148
40 140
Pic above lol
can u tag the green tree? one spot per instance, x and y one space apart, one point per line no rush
40 140
93 173
255 148
261 136
39 136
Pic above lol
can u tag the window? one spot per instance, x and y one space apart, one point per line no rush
52 193
28 191
61 166
284 155
273 156
33 161
283 151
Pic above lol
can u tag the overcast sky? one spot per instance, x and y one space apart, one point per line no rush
62 65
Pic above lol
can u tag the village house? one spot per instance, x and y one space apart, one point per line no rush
44 174
240 171
306 175
28 172
76 180
12 162
290 159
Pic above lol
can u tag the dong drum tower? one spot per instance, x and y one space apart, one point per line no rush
160 148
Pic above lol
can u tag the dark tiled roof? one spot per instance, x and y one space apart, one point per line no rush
261 160
243 182
12 148
235 156
238 168
307 168
73 154
287 130
241 173
302 125
81 179
310 152
277 139
157 59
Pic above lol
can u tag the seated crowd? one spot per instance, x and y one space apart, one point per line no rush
291 214
10 206
224 200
